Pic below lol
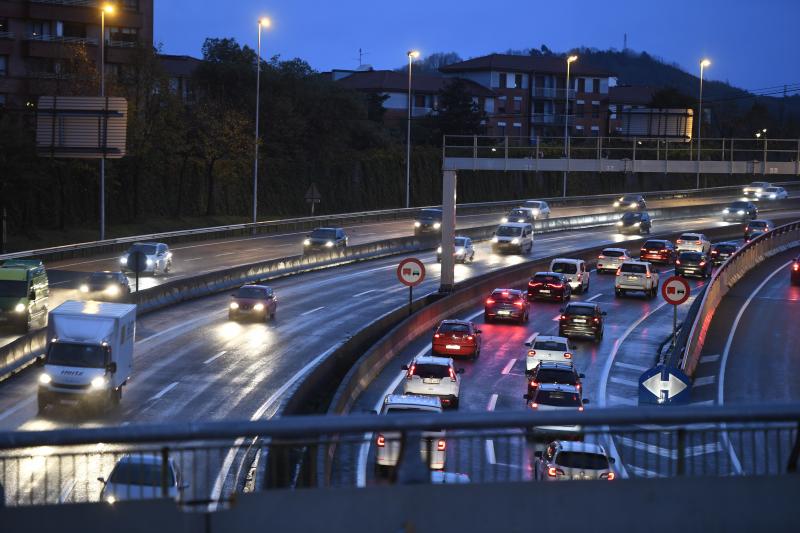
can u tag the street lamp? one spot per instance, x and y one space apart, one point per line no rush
105 9
703 64
570 60
263 22
412 55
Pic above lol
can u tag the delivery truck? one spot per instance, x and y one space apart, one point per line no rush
89 355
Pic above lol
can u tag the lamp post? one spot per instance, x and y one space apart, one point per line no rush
570 60
412 55
104 9
703 64
263 22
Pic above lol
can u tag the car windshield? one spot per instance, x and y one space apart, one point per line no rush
629 199
758 224
725 248
250 292
544 278
613 253
139 473
323 233
565 268
81 355
100 277
654 245
460 241
631 217
501 296
690 256
633 268
454 328
430 213
406 410
771 189
562 377
147 249
582 460
739 205
558 398
431 371
555 346
519 213
12 288
509 231
533 204
582 310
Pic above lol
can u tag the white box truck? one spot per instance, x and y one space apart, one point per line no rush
89 356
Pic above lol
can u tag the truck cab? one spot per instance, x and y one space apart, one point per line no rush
24 291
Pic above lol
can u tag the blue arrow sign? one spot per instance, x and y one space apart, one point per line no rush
663 385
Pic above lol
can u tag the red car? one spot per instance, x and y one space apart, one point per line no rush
658 251
456 338
507 304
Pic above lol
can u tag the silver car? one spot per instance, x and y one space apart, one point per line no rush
433 445
141 476
158 258
556 397
434 376
464 251
610 259
563 460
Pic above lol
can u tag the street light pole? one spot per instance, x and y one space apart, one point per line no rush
570 60
262 22
412 54
105 8
703 64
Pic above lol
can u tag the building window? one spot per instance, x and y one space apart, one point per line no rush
595 110
517 129
419 100
579 110
501 104
2 99
73 29
501 129
517 104
595 85
38 28
518 81
3 65
581 85
503 77
128 35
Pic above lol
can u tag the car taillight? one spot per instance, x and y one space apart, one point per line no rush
518 303
601 257
580 408
596 320
470 338
679 241
380 441
534 383
489 301
531 353
441 445
436 335
452 375
505 294
714 252
553 471
619 272
563 317
611 476
677 261
698 242
411 371
567 355
555 285
534 406
648 275
796 267
702 263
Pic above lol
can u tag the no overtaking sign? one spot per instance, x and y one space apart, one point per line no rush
411 272
675 290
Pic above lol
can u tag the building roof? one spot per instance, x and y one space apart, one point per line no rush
392 81
517 63
631 94
179 66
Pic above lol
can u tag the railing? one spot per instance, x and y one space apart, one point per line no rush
553 93
60 39
202 463
6 34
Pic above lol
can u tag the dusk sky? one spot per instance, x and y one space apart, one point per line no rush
753 44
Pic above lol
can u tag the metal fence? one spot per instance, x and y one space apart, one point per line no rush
209 463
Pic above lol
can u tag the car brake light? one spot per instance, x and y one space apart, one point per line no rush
436 335
796 267
611 476
601 257
518 303
531 353
411 371
619 272
580 408
441 445
698 242
553 471
563 317
677 261
452 374
489 301
534 383
702 263
648 275
534 405
380 441
555 285
470 338
505 293
567 355
596 320
679 241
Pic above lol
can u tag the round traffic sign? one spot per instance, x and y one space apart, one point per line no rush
411 272
675 290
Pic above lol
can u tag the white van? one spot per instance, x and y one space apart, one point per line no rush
513 237
575 271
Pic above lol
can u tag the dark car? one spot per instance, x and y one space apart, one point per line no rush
428 221
506 304
796 271
693 264
740 211
253 301
554 372
581 320
658 251
630 202
106 286
325 239
639 222
549 286
754 235
721 251
761 226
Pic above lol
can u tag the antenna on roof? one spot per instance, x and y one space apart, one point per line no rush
361 54
624 42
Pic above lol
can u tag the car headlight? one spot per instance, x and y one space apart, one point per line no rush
439 250
84 288
111 500
740 212
417 224
495 239
437 225
773 196
616 204
19 308
329 244
307 242
520 220
633 204
535 212
460 251
45 378
99 382
637 224
258 307
123 260
505 220
113 290
726 211
149 262
234 305
515 240
619 223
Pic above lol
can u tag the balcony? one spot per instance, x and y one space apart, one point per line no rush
552 93
60 39
550 118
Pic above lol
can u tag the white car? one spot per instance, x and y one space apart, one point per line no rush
433 447
434 376
540 208
139 476
773 193
158 258
463 252
556 397
566 460
575 271
513 237
693 242
547 348
755 188
636 276
610 259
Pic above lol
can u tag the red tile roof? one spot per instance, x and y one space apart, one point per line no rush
518 63
394 81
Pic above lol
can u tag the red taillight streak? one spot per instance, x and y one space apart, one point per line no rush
411 371
563 317
452 374
380 441
441 445
555 285
553 472
611 476
531 353
489 301
534 383
796 267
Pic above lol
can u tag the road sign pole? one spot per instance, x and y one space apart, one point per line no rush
410 300
674 326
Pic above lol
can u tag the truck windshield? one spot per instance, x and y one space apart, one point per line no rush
81 355
509 231
17 289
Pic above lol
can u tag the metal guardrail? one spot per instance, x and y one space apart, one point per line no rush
743 261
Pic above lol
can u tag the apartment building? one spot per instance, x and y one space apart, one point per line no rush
531 94
38 38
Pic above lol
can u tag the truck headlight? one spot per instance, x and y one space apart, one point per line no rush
234 305
726 211
633 204
113 290
45 378
99 382
515 240
307 242
329 244
437 225
19 308
773 196
439 250
149 262
520 220
84 288
123 260
258 307
417 224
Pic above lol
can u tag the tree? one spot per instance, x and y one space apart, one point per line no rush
458 114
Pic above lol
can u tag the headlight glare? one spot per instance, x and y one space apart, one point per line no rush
44 378
123 260
113 290
439 250
307 242
19 308
258 307
515 240
329 244
417 224
505 220
437 225
495 239
740 212
99 382
234 305
149 262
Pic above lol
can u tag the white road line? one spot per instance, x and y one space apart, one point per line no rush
192 259
363 293
66 492
365 234
530 339
643 472
619 400
595 297
622 381
631 366
709 358
165 390
671 453
705 380
226 253
492 402
508 367
490 457
557 317
312 311
475 315
704 402
19 406
220 354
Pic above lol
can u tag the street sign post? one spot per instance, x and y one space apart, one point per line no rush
313 196
664 385
675 291
411 272
137 262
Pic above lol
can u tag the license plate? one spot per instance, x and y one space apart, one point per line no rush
632 278
504 313
453 347
579 320
545 291
431 381
689 270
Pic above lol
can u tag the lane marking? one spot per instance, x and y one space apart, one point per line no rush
66 492
312 311
595 297
192 259
643 472
557 317
508 366
165 390
622 381
530 339
710 358
705 380
490 457
363 293
492 402
19 406
704 402
226 253
631 366
210 359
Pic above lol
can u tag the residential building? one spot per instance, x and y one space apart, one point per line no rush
179 70
38 38
631 114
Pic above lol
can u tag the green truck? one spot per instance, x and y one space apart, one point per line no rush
24 290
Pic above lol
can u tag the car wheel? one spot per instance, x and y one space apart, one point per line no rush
454 404
272 315
617 292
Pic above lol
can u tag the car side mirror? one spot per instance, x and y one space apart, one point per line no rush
585 401
112 367
611 460
538 454
528 344
404 367
101 480
459 371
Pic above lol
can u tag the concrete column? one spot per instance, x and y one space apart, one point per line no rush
447 279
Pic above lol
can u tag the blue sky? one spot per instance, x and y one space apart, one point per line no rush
752 43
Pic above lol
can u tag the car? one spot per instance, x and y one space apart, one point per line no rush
520 215
549 286
581 319
464 251
693 242
762 226
143 476
565 460
561 373
506 304
773 193
638 222
721 251
610 259
693 264
547 348
636 276
795 270
541 209
433 446
106 286
253 301
630 202
158 258
513 237
24 294
325 239
658 251
456 338
575 270
754 235
755 188
434 376
740 211
428 222
556 397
